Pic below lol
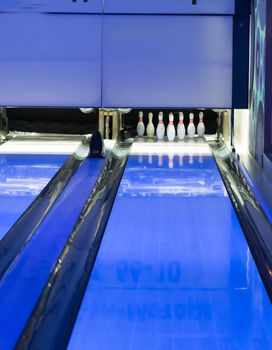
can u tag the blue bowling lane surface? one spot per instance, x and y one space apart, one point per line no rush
22 178
174 270
22 285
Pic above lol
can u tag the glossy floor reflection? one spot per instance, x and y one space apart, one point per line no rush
22 178
174 270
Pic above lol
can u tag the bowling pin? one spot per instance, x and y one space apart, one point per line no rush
181 127
160 131
191 127
150 129
171 131
201 126
140 125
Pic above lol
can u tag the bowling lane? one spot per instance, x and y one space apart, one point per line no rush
21 287
174 270
22 178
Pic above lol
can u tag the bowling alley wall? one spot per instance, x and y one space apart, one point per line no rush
252 127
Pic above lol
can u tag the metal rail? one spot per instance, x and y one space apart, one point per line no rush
22 231
52 320
256 226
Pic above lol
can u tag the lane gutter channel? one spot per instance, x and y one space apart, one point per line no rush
253 220
14 241
52 320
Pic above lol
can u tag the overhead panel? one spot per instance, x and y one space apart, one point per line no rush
61 6
50 59
172 6
167 61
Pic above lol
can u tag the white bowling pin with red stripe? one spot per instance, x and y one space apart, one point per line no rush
181 127
140 125
160 131
171 131
201 126
191 127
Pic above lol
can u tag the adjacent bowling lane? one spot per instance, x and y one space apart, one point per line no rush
22 178
22 285
174 270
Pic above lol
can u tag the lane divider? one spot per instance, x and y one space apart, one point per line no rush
52 320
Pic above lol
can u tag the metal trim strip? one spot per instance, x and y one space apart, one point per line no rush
61 298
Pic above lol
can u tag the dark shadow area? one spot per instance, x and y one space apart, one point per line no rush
52 120
73 121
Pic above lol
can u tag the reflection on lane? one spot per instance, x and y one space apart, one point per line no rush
174 270
22 178
172 176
